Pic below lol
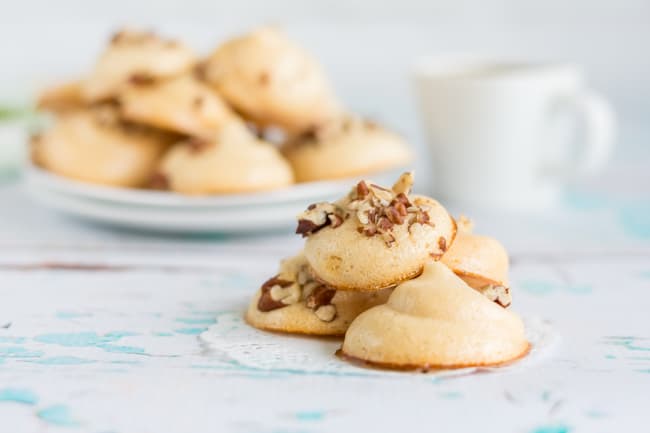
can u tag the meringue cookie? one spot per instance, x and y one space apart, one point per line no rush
436 321
182 104
294 302
135 56
272 81
62 97
345 147
96 146
234 161
374 237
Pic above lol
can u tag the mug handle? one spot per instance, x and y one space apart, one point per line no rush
598 127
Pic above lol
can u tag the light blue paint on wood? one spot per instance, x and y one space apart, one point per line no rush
14 340
595 414
584 201
58 415
538 287
196 320
635 220
18 395
18 352
310 415
71 315
62 360
557 428
131 350
82 339
190 331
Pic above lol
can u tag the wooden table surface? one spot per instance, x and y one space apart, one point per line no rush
100 331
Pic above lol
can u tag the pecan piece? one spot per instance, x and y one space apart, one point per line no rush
442 244
266 302
362 190
197 145
141 79
326 313
159 181
320 296
307 227
499 294
316 217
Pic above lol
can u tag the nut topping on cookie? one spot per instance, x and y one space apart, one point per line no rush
317 216
141 79
376 208
326 313
266 302
294 284
499 294
379 209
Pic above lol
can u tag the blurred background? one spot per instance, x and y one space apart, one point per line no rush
367 47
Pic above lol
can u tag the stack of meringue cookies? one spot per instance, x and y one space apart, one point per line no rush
258 114
407 285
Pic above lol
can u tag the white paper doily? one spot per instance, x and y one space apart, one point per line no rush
235 345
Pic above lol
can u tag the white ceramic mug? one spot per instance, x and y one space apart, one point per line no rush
508 135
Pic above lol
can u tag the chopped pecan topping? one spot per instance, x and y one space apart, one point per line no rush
197 102
403 184
141 79
117 37
335 220
499 294
326 313
266 301
464 224
320 296
200 71
362 190
316 217
442 244
264 78
307 227
159 181
197 145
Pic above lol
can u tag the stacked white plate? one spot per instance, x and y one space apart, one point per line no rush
171 212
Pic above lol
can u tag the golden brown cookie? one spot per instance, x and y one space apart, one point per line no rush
96 146
272 81
182 104
436 321
62 97
294 302
136 57
234 161
374 237
482 262
344 147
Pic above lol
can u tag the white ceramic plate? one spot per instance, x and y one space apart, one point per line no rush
170 212
173 220
305 192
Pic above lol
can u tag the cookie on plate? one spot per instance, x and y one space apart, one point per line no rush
374 237
344 147
62 97
182 104
436 321
95 145
137 57
294 302
272 81
233 161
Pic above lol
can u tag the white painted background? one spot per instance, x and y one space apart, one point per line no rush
366 46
